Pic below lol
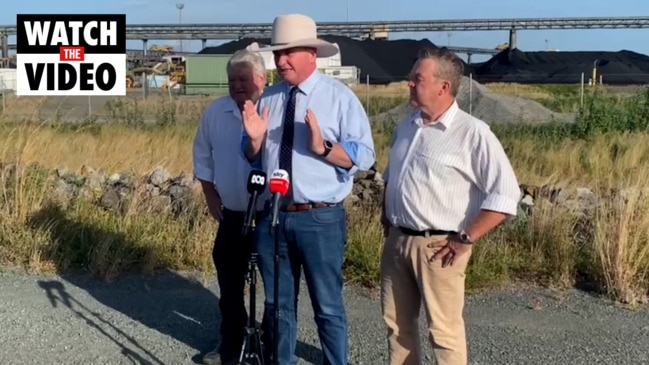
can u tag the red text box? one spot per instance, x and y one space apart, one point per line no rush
71 54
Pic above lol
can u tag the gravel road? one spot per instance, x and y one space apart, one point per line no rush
171 319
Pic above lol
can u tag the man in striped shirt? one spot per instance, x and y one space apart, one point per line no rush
448 183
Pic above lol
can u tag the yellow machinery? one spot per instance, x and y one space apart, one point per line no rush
175 78
172 66
175 66
377 32
164 49
502 46
7 61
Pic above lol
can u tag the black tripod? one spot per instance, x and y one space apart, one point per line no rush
252 350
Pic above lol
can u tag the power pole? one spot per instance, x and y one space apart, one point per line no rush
180 7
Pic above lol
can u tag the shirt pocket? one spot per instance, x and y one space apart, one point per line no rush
444 167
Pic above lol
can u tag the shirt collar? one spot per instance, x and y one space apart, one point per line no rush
307 85
231 107
445 120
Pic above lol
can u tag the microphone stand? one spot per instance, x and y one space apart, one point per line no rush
250 213
252 349
275 232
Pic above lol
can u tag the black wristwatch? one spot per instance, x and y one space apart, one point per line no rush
328 145
465 238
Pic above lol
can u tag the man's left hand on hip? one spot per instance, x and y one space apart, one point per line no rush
453 249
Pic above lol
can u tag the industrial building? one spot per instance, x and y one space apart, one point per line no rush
366 55
205 73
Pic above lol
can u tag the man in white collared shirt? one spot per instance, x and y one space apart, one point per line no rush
448 182
221 167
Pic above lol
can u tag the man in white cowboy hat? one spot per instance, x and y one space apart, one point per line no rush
315 128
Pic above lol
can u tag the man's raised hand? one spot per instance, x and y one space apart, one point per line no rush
254 125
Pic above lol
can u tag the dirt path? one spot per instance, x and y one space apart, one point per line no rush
171 319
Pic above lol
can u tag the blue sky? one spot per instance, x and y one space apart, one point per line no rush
217 11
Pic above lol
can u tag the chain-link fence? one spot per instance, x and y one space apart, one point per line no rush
7 85
498 99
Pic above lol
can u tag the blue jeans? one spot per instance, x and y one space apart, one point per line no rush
314 241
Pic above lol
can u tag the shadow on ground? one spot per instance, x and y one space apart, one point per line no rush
173 304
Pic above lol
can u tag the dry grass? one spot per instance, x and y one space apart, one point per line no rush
567 244
118 148
391 89
605 247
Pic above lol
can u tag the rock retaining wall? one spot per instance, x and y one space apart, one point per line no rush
160 191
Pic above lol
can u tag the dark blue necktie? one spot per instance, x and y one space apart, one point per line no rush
286 148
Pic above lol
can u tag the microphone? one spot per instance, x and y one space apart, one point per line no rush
256 186
278 186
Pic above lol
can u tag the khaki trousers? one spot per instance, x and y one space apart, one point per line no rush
408 277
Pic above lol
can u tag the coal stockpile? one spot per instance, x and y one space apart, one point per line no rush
386 61
231 47
616 68
379 61
382 61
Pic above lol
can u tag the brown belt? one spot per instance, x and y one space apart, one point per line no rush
306 206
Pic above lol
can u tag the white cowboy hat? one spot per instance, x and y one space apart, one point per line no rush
298 30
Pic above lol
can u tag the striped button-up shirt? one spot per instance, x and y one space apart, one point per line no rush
341 118
217 153
440 175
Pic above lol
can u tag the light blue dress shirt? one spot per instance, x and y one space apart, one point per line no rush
342 120
217 156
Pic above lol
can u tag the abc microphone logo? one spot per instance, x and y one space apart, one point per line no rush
258 180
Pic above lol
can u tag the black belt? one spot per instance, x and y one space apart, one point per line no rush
429 232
